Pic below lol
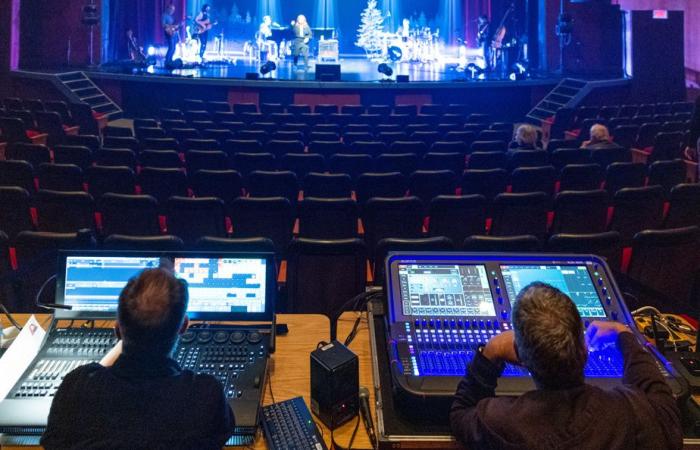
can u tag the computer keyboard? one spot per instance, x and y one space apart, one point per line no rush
288 425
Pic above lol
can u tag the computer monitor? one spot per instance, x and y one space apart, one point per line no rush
573 280
221 286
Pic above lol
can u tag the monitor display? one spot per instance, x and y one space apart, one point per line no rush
215 285
445 290
574 281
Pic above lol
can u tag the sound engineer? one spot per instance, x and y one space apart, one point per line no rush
139 397
563 412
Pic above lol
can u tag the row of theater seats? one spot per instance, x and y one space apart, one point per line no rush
209 173
575 119
457 217
325 109
320 275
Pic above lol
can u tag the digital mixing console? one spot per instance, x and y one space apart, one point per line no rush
441 307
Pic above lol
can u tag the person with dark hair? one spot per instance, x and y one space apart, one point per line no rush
563 411
483 38
302 36
138 396
204 24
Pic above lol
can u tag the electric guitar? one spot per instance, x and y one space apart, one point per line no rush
204 26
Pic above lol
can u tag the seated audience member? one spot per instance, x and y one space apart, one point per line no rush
600 139
137 397
525 138
563 412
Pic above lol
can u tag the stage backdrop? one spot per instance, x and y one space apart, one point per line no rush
239 19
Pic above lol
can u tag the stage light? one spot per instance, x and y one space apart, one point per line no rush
267 68
384 69
151 51
518 72
395 53
474 70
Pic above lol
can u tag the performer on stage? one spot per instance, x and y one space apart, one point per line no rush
265 28
302 36
135 50
483 38
404 30
171 32
204 25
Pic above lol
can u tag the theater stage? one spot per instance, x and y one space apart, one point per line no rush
354 69
142 92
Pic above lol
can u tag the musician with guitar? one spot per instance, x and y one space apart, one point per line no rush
204 24
482 38
171 29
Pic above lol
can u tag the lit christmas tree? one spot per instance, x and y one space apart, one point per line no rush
370 32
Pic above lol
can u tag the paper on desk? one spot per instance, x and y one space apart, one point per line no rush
20 354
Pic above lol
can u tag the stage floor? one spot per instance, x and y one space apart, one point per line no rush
353 69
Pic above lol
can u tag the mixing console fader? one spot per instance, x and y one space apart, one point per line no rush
64 350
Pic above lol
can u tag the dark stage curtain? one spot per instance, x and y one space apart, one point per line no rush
472 10
142 16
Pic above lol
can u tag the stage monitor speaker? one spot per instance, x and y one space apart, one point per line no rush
596 41
657 56
327 72
402 78
252 76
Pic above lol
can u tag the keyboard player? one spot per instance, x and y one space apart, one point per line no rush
563 412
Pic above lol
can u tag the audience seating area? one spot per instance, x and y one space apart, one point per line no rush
331 190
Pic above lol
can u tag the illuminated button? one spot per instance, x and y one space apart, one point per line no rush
498 290
460 324
600 281
495 281
500 300
504 314
481 324
608 300
488 324
605 291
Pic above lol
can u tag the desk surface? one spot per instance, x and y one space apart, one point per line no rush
289 365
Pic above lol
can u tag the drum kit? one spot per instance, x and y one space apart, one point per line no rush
421 45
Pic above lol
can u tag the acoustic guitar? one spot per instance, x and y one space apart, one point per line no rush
203 27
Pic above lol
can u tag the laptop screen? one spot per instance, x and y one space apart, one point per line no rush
220 286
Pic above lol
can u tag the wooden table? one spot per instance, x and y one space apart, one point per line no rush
289 365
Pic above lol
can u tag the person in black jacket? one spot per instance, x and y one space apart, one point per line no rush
563 412
600 139
137 397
